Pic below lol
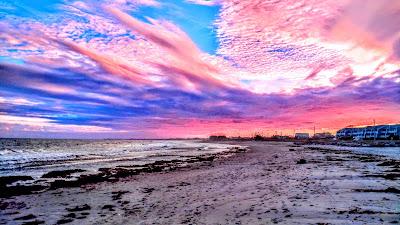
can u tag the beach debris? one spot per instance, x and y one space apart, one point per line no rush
109 207
12 179
64 220
61 173
8 191
116 195
389 163
386 175
70 215
12 205
147 190
27 217
183 183
358 210
79 208
34 222
301 161
387 190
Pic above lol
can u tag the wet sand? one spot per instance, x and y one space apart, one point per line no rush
270 183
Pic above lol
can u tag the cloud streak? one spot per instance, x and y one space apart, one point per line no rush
183 59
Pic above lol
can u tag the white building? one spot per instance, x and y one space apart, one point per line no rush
370 132
324 135
301 135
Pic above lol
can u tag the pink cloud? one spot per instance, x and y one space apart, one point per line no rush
174 60
183 57
368 23
287 40
112 64
205 2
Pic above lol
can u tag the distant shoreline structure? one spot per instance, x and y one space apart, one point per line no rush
259 137
377 132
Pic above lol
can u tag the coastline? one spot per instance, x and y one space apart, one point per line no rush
67 176
273 182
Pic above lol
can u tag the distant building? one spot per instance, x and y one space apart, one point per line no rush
324 135
258 137
384 132
280 137
301 135
217 137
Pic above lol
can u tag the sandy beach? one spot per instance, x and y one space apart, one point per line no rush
270 183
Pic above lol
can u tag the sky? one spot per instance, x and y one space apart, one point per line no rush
193 68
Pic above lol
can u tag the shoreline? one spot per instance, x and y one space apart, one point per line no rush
271 183
14 185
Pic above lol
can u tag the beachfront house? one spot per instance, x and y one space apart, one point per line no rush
324 135
383 132
218 137
301 136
